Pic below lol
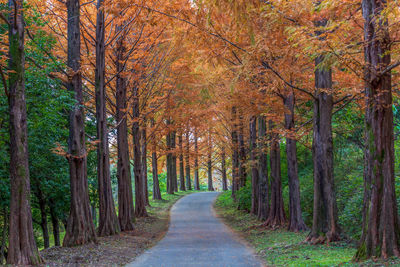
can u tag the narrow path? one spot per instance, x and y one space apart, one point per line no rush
197 238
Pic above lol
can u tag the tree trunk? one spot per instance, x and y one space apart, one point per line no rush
254 167
242 153
174 160
381 231
144 163
108 222
263 188
156 184
223 166
276 217
22 245
325 227
56 225
209 164
296 222
235 153
80 229
140 203
187 168
170 185
126 210
43 221
181 165
196 163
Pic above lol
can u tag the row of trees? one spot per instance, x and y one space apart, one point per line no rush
217 86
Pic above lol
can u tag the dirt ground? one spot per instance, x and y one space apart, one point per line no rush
120 249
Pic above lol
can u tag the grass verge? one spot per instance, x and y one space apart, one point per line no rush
120 249
283 248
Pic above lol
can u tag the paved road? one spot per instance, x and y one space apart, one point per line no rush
197 238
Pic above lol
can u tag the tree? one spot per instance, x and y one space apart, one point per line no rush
187 166
381 230
108 222
296 222
181 165
80 228
254 167
22 246
125 196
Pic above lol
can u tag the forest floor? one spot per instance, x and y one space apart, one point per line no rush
283 248
120 249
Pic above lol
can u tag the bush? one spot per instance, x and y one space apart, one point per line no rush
243 196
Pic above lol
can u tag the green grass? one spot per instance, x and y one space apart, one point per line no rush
166 202
283 248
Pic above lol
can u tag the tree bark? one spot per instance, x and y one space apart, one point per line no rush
108 222
174 162
276 217
209 164
170 185
381 230
325 227
126 210
196 163
43 221
223 167
181 165
242 153
296 222
140 203
263 188
80 229
56 225
235 153
144 163
156 184
254 166
22 246
187 167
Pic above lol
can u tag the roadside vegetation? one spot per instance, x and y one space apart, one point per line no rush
283 248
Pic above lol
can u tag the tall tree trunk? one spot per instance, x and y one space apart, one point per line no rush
187 167
235 153
209 164
381 232
22 246
181 165
80 229
56 225
43 216
223 167
144 163
242 152
108 222
276 216
254 165
174 160
156 183
325 227
196 163
296 222
263 188
140 203
126 210
170 184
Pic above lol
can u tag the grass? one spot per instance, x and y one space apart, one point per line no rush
283 248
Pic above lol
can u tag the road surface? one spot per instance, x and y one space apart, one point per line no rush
197 238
